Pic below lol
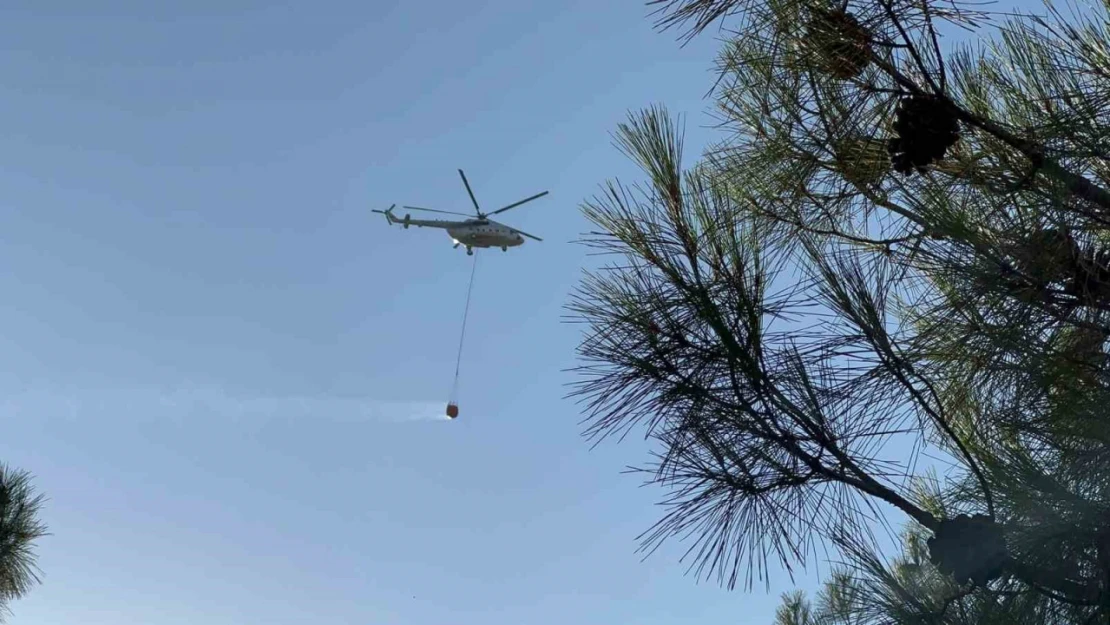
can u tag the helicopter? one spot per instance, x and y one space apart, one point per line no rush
478 231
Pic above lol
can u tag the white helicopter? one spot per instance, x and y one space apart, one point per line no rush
479 231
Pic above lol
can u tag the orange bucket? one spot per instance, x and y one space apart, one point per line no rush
452 410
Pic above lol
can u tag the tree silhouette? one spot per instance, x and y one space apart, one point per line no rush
894 250
19 528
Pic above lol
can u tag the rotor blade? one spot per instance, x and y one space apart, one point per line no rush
515 204
476 209
374 210
530 236
432 210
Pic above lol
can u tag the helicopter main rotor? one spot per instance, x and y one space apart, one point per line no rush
478 210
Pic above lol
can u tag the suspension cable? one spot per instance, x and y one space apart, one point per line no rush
462 334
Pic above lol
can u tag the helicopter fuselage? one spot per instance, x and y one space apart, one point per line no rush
484 233
472 233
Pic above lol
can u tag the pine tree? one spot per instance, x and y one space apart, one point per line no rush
895 248
19 528
910 590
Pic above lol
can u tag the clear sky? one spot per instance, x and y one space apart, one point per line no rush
225 371
212 348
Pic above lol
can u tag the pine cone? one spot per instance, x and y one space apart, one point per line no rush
841 43
861 160
969 548
925 129
1090 280
1047 255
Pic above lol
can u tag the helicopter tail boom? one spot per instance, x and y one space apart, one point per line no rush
407 220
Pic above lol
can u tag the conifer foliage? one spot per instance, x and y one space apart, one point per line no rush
20 527
811 342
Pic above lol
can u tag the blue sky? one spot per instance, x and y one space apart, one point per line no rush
224 370
212 346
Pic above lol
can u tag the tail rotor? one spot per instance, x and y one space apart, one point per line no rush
387 212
